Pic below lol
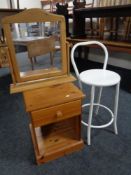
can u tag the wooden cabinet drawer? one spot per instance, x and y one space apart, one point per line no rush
56 113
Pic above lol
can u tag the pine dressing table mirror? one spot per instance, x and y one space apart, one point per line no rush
39 64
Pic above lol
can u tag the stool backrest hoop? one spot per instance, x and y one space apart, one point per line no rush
86 43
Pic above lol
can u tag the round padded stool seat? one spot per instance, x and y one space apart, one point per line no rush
100 77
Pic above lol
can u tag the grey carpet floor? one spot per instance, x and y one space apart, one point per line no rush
109 154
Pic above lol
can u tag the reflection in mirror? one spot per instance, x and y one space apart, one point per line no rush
37 47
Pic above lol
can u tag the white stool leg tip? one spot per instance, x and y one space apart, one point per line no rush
116 132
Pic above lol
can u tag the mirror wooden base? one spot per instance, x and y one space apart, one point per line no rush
55 113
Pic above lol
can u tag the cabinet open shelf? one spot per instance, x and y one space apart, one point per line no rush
57 139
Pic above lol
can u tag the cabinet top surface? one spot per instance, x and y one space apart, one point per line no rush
50 96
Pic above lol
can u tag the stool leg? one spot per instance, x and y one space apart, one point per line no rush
98 100
90 115
116 107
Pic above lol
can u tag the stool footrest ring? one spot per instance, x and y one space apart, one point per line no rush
100 126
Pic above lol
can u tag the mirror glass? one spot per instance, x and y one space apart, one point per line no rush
37 47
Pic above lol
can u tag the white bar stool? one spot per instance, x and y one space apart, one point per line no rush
97 78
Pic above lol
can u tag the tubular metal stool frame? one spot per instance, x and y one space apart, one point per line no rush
97 78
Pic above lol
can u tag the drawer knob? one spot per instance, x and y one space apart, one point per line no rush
59 114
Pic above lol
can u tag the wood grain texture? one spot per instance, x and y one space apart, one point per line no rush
56 140
41 47
56 113
41 83
31 16
51 96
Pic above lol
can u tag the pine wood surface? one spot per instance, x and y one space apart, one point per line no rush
51 96
31 16
29 85
41 47
56 140
53 102
56 113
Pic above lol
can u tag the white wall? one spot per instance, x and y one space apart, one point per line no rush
23 3
4 4
29 3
